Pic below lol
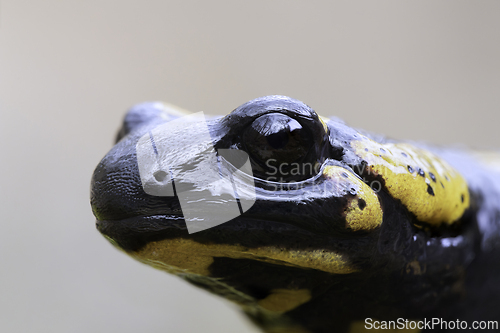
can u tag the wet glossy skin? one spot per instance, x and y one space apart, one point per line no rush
349 227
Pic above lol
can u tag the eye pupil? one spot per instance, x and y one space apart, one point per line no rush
278 140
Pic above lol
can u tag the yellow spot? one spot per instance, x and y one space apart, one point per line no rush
363 211
324 121
414 268
283 300
428 186
185 256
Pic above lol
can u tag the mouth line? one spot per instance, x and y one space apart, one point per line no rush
132 234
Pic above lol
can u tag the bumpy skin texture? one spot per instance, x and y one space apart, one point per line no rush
381 230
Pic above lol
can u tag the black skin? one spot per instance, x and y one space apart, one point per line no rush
456 282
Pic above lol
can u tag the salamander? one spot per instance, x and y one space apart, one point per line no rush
343 225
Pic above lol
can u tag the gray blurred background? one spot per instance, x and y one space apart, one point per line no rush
421 70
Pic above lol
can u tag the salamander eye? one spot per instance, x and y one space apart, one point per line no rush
275 140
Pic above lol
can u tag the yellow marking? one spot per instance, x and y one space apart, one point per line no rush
390 161
275 322
185 256
414 268
359 327
324 121
283 300
368 218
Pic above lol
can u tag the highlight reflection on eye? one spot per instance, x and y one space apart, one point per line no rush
275 136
